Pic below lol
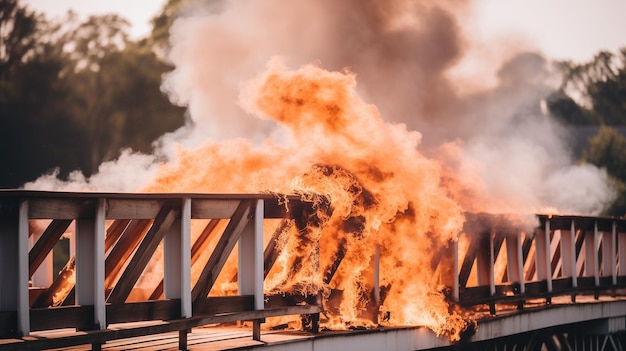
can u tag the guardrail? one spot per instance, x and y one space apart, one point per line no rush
136 257
499 259
116 237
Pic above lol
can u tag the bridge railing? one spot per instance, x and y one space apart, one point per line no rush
500 259
134 258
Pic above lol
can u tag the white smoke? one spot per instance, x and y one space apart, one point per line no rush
401 52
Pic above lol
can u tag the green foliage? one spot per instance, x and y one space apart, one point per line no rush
73 95
601 87
607 149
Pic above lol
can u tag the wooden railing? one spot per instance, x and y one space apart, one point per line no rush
112 276
503 259
136 258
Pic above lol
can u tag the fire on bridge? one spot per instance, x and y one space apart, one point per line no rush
171 259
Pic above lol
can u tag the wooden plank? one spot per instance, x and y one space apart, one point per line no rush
271 252
46 242
21 265
60 288
124 247
143 311
330 271
114 231
80 317
133 208
8 324
221 252
213 209
468 261
144 252
62 208
102 336
223 304
199 246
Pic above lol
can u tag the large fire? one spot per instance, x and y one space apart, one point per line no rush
383 194
377 193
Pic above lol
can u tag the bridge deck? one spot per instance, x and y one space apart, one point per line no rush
588 314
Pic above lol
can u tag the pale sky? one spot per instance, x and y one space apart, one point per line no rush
561 29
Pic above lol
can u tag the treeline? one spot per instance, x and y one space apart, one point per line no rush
73 94
594 94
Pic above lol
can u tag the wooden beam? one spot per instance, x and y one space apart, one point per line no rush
468 261
123 249
330 271
144 253
114 231
46 242
102 336
60 288
199 246
222 250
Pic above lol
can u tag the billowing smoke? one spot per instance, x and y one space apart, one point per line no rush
361 107
505 152
401 52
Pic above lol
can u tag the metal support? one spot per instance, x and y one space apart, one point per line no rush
90 264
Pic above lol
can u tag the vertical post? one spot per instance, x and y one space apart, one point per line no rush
614 253
23 308
591 254
377 276
250 273
90 264
177 265
608 256
483 257
621 238
542 255
568 253
515 265
9 252
456 267
177 260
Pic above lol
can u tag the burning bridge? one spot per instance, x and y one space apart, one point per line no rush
163 267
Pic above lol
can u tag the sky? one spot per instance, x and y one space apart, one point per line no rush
561 29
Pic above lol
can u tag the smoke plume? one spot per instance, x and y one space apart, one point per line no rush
354 100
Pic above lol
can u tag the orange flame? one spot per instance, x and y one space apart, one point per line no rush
382 192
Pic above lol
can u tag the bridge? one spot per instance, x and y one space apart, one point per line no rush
161 267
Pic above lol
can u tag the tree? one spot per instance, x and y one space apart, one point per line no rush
74 94
607 149
35 131
601 87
